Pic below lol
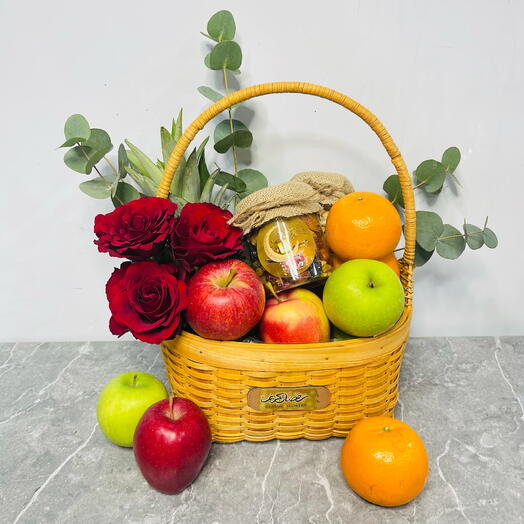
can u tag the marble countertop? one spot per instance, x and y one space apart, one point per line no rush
463 395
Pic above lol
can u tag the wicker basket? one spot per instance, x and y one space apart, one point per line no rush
260 392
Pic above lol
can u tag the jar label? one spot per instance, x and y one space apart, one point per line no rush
306 398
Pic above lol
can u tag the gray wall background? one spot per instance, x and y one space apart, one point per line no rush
437 73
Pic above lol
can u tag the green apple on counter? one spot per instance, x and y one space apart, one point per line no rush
122 403
363 297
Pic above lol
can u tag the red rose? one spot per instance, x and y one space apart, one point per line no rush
137 230
146 298
202 234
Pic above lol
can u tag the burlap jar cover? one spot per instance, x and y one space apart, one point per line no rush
284 228
307 192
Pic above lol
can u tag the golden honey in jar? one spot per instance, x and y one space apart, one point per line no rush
290 252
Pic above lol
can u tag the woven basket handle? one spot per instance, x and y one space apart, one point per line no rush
338 98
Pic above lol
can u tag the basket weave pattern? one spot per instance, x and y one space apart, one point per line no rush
360 374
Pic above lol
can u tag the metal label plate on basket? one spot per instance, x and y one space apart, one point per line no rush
306 398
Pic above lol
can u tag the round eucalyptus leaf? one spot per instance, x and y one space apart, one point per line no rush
429 228
232 182
223 129
421 255
124 193
221 26
393 189
474 236
450 243
96 188
241 139
254 181
76 128
432 173
490 239
99 140
451 159
225 55
77 159
207 61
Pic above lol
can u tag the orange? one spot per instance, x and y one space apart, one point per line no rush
384 461
363 225
392 262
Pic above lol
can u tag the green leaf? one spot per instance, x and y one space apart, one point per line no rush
254 181
451 159
82 159
121 173
144 164
233 182
176 127
393 190
122 161
100 141
240 139
221 26
429 228
432 173
209 93
450 243
208 186
96 188
221 195
168 143
421 255
203 170
124 193
225 55
207 61
224 128
490 239
176 183
190 189
474 237
76 129
144 182
77 158
179 201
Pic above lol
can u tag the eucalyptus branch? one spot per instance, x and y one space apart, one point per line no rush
226 88
95 168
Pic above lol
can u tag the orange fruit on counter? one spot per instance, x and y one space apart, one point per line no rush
363 225
392 262
384 461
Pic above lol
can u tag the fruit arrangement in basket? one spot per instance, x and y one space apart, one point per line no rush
221 256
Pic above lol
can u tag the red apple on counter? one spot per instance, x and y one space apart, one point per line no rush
226 300
295 317
171 444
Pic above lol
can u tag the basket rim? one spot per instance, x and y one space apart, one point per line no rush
289 357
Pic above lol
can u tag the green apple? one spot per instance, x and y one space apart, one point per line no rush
123 402
363 297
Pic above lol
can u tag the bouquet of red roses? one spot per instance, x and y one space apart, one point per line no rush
148 293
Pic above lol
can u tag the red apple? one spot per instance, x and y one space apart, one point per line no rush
226 300
171 444
295 317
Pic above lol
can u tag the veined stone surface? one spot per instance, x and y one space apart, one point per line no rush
464 396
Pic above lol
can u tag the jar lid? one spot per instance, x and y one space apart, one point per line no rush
282 201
